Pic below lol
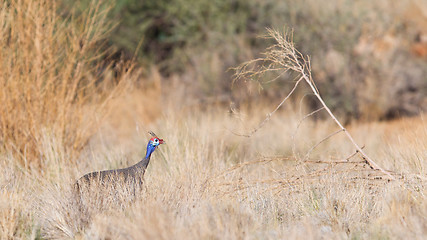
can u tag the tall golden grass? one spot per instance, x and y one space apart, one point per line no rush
52 80
209 183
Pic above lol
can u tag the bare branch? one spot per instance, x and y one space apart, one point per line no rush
270 114
299 124
321 141
284 55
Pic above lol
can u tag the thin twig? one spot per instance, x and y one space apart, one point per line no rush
298 125
321 141
269 114
353 154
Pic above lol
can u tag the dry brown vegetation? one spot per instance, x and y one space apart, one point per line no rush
52 80
207 182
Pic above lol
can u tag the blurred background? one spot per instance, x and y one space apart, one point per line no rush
369 58
68 65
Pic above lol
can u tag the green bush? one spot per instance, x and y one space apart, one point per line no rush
200 40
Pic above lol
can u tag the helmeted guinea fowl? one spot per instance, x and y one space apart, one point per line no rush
130 177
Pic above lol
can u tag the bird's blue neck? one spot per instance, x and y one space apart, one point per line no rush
150 150
144 162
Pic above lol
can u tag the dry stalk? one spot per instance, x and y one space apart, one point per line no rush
284 57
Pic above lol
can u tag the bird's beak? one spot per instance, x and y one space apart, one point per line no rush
161 141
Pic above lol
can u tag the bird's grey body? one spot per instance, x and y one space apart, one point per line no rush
133 175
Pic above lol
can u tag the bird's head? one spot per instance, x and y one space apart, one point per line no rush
152 144
155 141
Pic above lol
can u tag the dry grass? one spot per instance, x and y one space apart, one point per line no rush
206 182
51 77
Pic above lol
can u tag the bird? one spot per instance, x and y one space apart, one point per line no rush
130 178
